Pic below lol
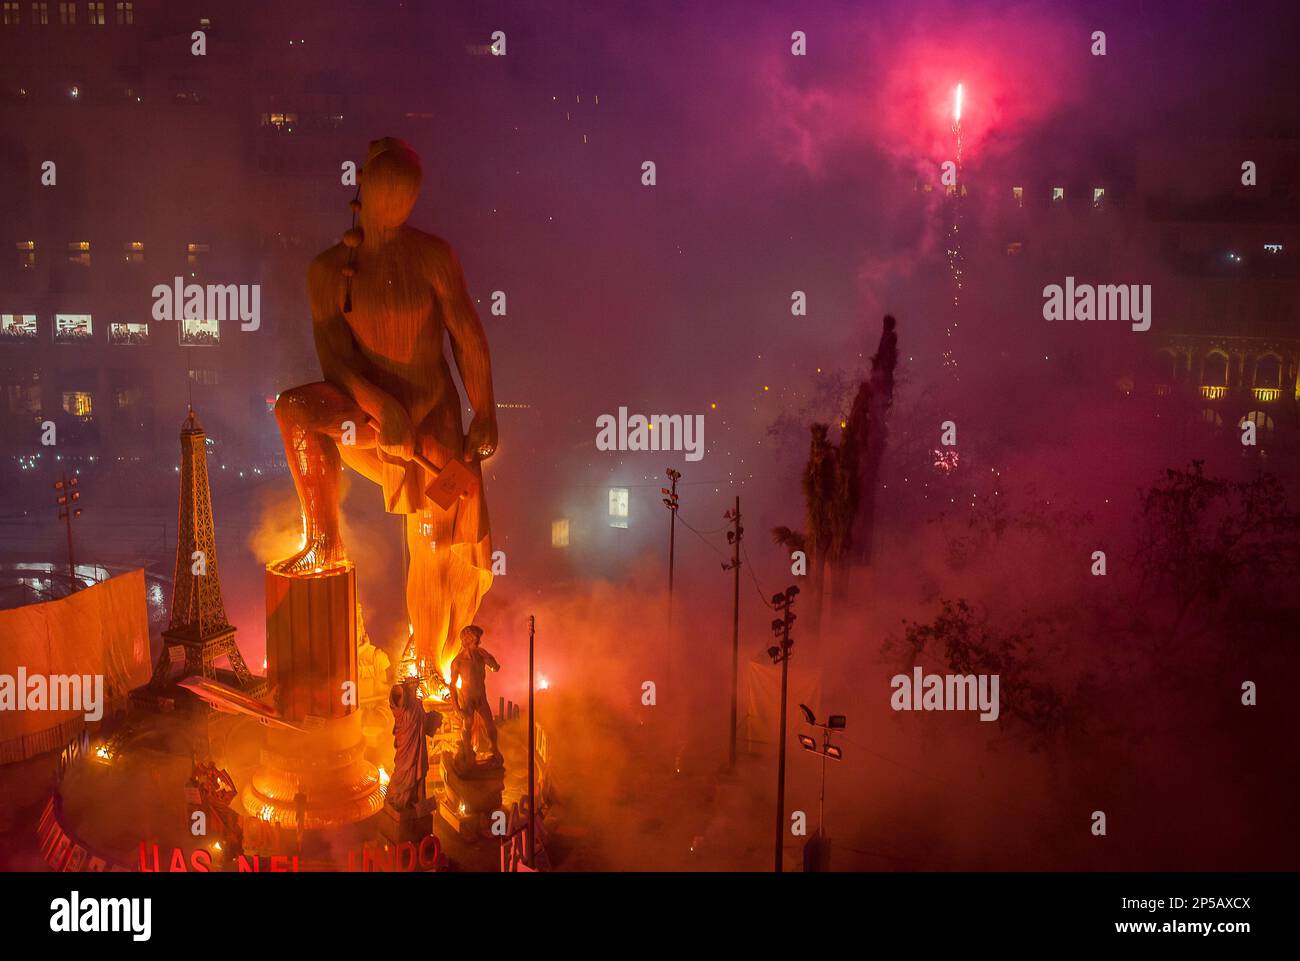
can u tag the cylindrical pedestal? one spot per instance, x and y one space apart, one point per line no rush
311 652
311 642
326 765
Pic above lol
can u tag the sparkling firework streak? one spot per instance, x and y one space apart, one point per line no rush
954 234
957 98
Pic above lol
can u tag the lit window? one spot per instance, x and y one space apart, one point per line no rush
208 378
1014 248
11 15
1273 248
78 403
96 11
1018 194
280 121
618 507
560 532
79 253
135 252
68 14
1097 194
1268 371
26 253
199 333
17 326
72 328
1058 193
194 253
128 333
41 14
1214 370
125 14
125 397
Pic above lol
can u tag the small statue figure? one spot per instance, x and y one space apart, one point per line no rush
469 691
372 663
411 725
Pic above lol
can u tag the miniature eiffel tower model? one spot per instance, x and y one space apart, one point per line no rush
198 626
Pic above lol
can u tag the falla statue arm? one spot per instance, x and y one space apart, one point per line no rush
470 348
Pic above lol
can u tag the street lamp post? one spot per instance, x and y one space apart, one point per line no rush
836 722
670 501
780 654
68 496
733 537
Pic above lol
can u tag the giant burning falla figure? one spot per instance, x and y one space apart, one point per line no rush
387 407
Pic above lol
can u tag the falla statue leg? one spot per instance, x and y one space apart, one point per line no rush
311 420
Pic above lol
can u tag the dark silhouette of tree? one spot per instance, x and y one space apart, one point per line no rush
970 644
864 446
839 483
819 487
1214 547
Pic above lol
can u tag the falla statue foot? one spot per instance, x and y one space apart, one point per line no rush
317 557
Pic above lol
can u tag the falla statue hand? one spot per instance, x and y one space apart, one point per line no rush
481 441
396 433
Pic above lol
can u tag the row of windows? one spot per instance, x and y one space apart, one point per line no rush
1018 194
80 329
78 253
25 399
11 14
1214 370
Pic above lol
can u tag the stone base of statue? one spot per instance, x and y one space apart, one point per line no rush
409 824
321 776
317 775
471 792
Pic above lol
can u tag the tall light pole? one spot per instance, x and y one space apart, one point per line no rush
836 722
670 501
67 499
733 537
532 747
780 654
